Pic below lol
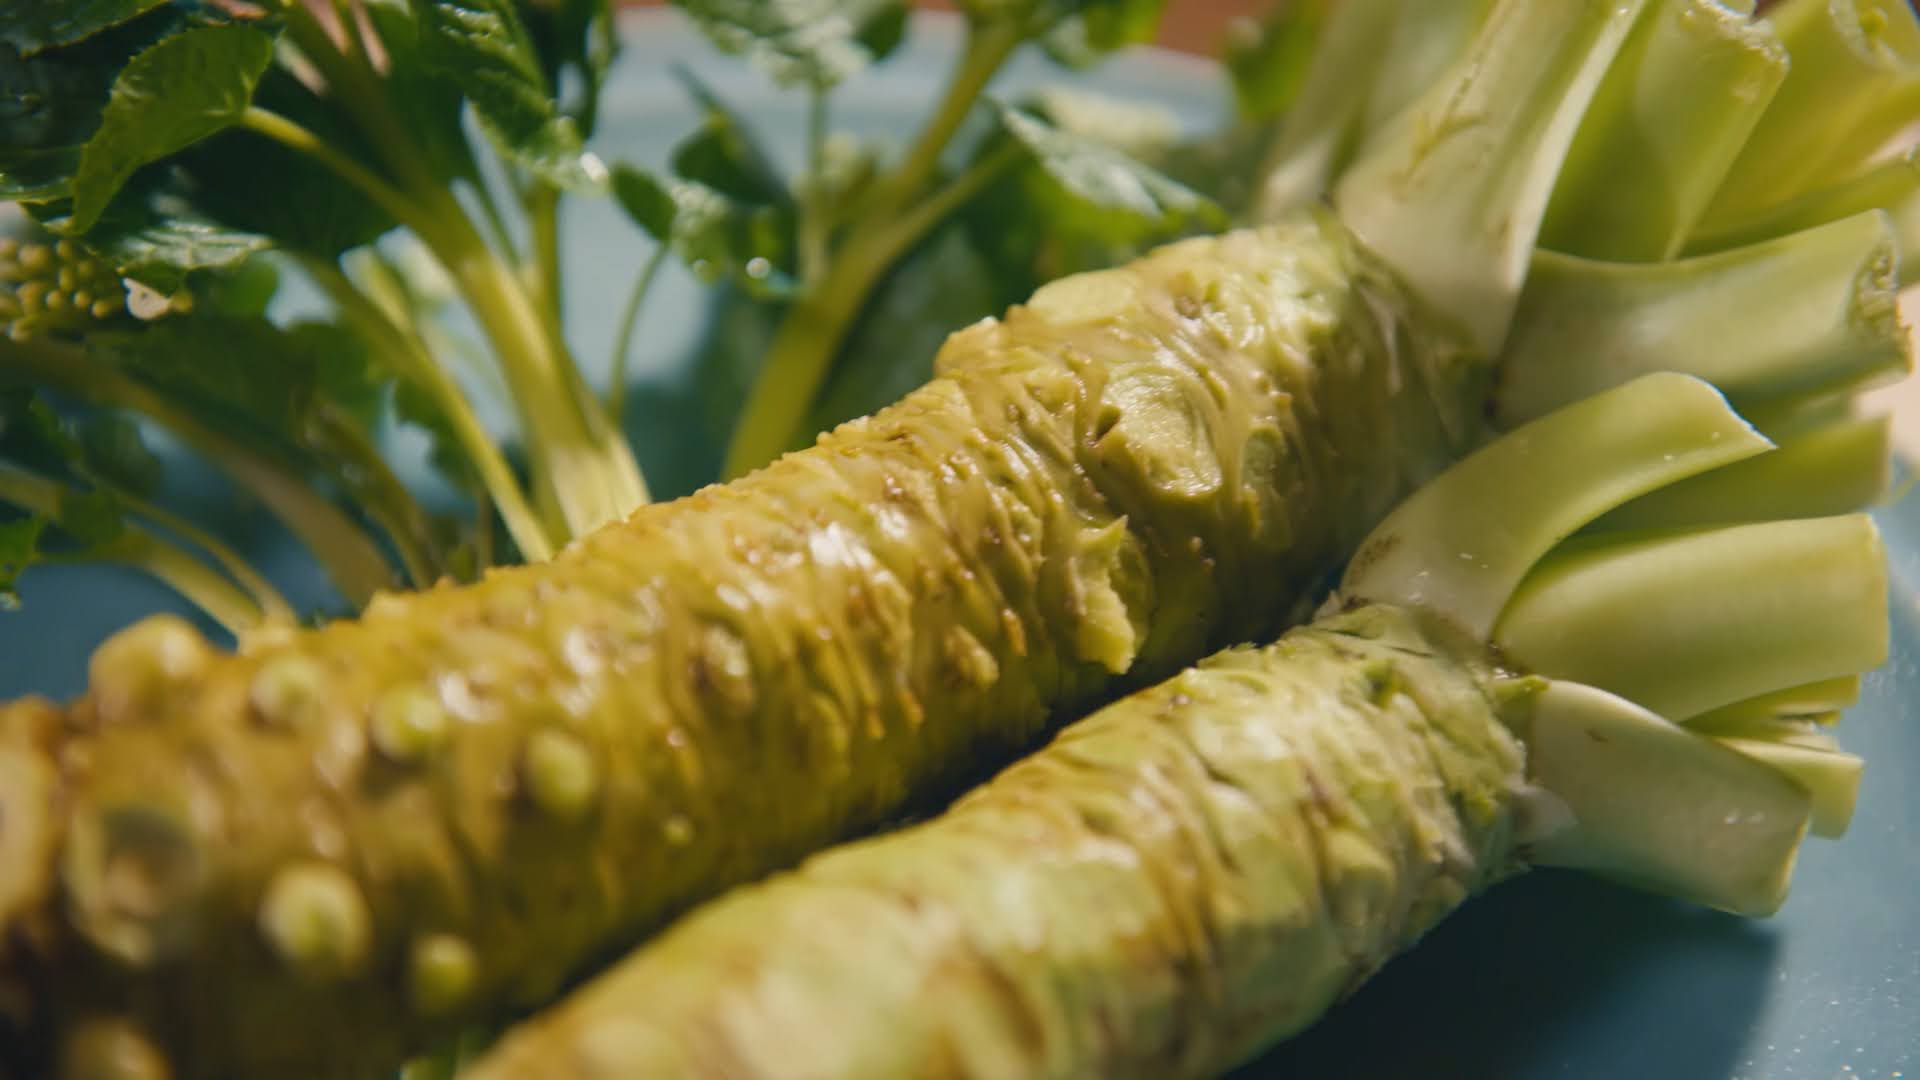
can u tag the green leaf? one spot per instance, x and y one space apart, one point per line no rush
717 237
250 183
33 25
814 43
153 232
1079 202
169 97
1031 228
1101 178
248 373
428 103
724 154
32 434
38 175
577 37
483 48
92 517
414 405
646 200
50 103
19 549
1268 57
114 450
1086 35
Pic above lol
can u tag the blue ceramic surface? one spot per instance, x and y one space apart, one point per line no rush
1551 975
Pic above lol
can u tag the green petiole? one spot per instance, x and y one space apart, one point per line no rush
1690 84
900 212
1688 622
352 560
1802 315
408 357
237 610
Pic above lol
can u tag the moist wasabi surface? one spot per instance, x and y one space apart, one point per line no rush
1173 883
388 825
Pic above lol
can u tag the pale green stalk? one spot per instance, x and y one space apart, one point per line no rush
1828 470
1682 623
1854 85
142 549
1801 315
1451 193
1668 121
1437 551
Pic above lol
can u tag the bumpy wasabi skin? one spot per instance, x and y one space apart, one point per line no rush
1174 883
1138 466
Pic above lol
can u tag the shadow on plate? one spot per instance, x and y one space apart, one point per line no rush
1553 974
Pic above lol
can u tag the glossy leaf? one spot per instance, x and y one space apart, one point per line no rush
33 25
482 47
169 97
813 43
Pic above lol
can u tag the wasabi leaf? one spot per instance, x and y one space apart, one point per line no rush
1102 178
113 449
716 236
814 43
724 154
50 103
169 97
428 103
153 233
482 47
575 36
19 549
1268 58
33 25
1082 37
245 182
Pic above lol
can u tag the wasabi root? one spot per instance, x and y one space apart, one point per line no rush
1199 870
445 809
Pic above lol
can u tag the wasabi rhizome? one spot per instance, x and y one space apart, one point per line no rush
501 782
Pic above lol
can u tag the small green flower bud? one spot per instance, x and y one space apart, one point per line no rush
34 258
316 921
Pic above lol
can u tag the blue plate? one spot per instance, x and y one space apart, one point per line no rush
1551 975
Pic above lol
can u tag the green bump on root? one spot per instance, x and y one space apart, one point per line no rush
316 921
560 774
408 724
289 691
441 972
134 668
111 1048
126 869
